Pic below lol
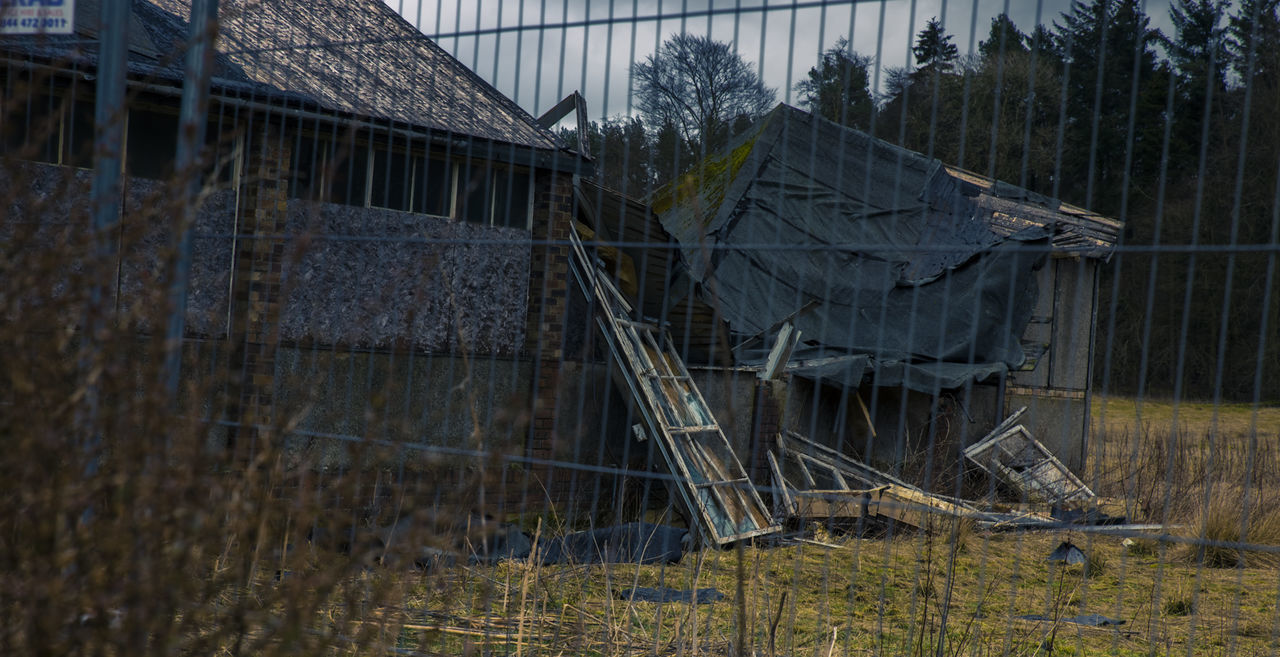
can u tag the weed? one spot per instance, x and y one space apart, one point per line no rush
1178 606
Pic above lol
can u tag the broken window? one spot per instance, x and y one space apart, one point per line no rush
397 178
494 196
511 199
49 128
392 179
31 127
433 187
152 144
412 183
329 170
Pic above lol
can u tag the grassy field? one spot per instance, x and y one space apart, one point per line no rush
866 596
954 591
1116 415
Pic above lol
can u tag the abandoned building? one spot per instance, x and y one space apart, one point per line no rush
388 241
425 196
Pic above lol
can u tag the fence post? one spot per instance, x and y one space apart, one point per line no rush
191 133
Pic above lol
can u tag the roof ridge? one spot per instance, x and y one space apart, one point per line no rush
501 98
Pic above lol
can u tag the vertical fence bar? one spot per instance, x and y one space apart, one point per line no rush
105 200
191 134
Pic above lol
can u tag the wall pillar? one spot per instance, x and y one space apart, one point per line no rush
766 424
256 298
544 342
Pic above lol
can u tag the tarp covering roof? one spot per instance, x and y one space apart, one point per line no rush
923 275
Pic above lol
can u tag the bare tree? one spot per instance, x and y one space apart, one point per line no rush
701 86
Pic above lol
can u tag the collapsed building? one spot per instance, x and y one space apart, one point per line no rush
887 305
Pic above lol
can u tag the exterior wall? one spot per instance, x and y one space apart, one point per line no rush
446 401
730 396
372 278
1057 392
545 333
152 211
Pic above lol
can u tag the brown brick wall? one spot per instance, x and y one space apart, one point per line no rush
544 341
255 289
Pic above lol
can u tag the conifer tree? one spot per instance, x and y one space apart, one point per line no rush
934 50
838 88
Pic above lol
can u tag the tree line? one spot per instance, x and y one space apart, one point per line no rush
1176 134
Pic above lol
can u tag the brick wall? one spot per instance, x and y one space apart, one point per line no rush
545 341
255 289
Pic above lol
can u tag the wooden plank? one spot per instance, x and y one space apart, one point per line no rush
866 413
788 336
915 508
837 504
780 484
813 507
852 467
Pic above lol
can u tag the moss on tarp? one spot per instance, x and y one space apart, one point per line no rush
704 186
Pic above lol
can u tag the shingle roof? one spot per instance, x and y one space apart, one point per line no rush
356 56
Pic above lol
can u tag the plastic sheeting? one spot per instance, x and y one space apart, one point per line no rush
915 287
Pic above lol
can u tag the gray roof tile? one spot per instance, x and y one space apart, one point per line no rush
356 56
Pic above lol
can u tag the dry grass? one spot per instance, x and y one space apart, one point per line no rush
871 596
1212 480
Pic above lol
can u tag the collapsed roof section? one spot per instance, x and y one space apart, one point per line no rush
892 265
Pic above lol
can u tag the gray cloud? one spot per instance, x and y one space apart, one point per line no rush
544 62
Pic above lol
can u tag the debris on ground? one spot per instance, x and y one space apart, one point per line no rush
1011 453
1068 553
714 487
664 594
836 486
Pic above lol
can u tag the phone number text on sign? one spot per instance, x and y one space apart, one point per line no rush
37 16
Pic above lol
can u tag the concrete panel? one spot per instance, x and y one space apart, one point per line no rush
1056 422
1072 323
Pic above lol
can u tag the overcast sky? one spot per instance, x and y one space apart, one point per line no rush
539 65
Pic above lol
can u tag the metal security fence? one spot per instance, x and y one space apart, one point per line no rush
749 328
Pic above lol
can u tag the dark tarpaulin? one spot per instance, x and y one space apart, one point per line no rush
914 287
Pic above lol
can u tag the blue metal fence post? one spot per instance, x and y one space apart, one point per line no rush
191 134
105 195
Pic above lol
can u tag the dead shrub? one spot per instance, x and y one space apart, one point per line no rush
1230 525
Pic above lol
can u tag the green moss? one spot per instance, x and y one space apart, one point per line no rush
708 180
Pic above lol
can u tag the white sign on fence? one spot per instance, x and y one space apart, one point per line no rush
37 16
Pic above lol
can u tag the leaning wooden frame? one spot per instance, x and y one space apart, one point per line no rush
1011 453
712 484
